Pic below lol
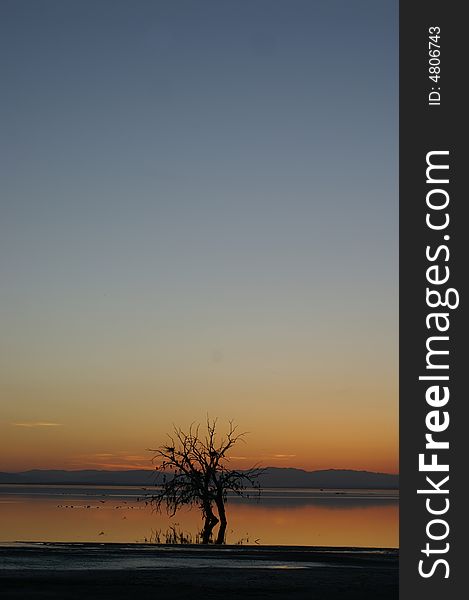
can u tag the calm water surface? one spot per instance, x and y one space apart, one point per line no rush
367 518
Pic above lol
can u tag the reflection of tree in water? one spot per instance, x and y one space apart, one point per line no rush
194 472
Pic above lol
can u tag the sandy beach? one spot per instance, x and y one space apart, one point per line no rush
121 571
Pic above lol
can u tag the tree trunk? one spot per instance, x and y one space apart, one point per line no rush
209 524
223 521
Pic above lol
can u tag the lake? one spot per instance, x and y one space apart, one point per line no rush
283 516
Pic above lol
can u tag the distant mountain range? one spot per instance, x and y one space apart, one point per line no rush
272 477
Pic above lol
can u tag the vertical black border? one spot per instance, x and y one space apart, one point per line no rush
425 128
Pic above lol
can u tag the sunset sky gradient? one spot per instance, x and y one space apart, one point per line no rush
199 215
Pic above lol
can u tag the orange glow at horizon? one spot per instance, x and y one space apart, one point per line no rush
340 445
304 416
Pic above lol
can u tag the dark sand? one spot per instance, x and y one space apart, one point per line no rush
140 572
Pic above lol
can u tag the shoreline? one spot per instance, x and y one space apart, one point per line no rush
212 551
111 570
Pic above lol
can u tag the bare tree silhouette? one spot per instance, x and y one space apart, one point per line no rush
193 468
